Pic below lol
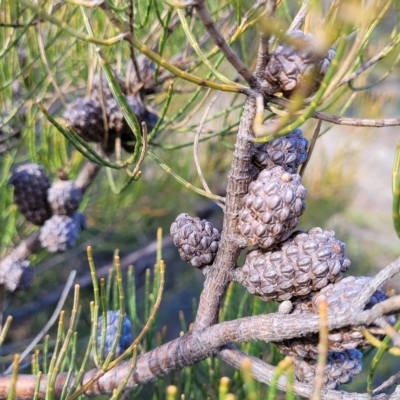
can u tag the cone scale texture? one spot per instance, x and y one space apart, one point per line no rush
197 240
340 296
272 207
125 340
64 197
297 65
30 192
288 151
304 263
59 233
341 368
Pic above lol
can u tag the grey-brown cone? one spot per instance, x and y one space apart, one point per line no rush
16 274
30 192
297 65
288 151
304 263
339 296
85 117
59 233
125 339
64 197
341 368
272 207
197 240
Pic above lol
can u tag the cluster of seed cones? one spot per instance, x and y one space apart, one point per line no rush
297 268
50 206
99 119
344 357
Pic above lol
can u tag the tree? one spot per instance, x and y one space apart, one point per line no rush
264 195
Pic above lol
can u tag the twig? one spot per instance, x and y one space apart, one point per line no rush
322 349
393 380
311 147
196 144
219 40
263 47
131 15
50 322
337 120
300 17
196 346
379 56
239 178
377 281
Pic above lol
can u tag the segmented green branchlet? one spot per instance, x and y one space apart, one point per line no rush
149 320
250 385
72 365
146 15
45 63
379 56
290 394
5 328
31 63
50 386
223 113
11 393
377 358
8 214
121 298
145 329
132 299
117 392
35 362
322 349
65 27
15 110
198 51
163 40
104 308
37 386
312 106
115 8
116 91
396 190
21 34
94 307
147 294
79 376
378 81
364 39
230 129
63 352
183 181
109 282
45 353
79 143
156 128
280 369
227 303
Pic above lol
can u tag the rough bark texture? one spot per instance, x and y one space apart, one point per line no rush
229 248
194 347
